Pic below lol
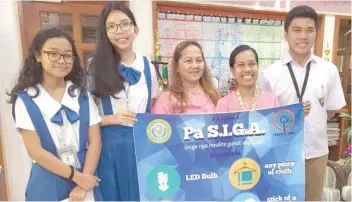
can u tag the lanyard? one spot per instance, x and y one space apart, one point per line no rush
299 95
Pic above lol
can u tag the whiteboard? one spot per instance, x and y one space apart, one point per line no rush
219 36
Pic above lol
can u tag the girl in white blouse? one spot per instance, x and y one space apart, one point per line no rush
58 121
125 84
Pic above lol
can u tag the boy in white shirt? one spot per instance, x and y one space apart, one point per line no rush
300 76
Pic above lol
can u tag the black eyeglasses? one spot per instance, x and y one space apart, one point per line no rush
54 56
125 26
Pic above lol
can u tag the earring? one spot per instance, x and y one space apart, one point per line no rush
233 84
233 80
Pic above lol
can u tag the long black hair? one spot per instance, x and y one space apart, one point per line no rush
103 67
31 73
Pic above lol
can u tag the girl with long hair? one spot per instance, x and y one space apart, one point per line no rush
124 84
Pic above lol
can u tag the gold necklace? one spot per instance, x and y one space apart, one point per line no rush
254 100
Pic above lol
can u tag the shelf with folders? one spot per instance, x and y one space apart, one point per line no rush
333 131
336 139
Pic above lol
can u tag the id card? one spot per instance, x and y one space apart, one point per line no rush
68 156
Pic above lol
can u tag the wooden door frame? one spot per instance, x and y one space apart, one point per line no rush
338 18
31 10
345 71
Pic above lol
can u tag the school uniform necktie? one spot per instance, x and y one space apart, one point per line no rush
129 74
71 115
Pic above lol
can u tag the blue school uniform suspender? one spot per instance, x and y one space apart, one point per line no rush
42 129
117 167
148 79
106 101
44 185
38 122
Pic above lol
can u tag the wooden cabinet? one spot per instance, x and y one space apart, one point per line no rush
342 54
342 59
77 18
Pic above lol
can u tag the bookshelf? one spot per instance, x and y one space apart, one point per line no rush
337 147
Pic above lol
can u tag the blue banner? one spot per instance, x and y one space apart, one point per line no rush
254 156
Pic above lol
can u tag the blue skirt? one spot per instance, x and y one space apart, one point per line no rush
117 166
43 185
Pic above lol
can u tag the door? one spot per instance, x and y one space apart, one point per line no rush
79 19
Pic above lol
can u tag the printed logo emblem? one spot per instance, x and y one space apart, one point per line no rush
284 120
159 131
163 181
244 173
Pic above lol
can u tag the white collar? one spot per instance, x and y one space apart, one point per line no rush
49 106
287 58
137 64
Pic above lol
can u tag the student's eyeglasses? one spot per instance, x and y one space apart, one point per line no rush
125 26
54 56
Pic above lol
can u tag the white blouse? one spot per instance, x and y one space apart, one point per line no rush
137 95
49 107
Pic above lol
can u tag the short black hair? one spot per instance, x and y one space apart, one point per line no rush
240 49
301 11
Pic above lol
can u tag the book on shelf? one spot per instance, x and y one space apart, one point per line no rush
333 131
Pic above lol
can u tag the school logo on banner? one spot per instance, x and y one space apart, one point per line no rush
159 131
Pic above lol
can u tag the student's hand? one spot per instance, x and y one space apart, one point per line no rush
306 107
124 116
85 181
77 194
